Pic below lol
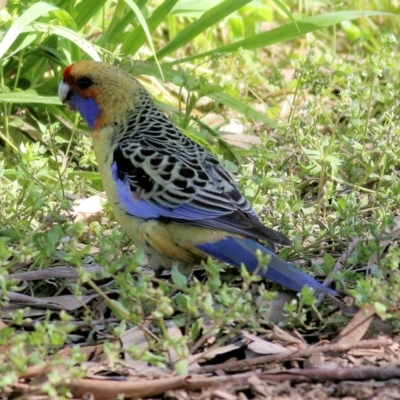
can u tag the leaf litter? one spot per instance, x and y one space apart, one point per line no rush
274 364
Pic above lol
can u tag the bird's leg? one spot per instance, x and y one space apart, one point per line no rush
162 252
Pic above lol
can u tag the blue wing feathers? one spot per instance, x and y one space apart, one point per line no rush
232 250
159 173
235 251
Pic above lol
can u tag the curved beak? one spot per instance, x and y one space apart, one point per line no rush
64 92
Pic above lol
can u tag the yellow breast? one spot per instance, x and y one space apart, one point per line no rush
104 155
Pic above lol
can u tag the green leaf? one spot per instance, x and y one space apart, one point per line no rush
237 105
283 8
119 310
329 263
121 19
284 33
179 279
30 15
195 329
21 97
146 30
135 40
85 10
181 367
194 8
209 18
25 43
67 33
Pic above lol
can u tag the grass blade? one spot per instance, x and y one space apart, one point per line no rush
149 68
287 32
249 112
30 15
136 39
85 10
66 33
283 8
146 30
21 97
208 19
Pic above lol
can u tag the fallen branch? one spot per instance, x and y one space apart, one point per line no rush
110 389
53 273
277 358
297 375
337 374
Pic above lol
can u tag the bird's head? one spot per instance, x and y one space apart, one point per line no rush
103 94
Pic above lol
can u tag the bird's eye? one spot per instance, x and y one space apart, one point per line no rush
84 83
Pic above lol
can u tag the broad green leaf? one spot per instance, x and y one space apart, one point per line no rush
21 97
67 33
143 23
178 278
120 20
85 10
284 33
30 15
135 40
282 7
209 18
194 8
195 329
25 43
246 110
181 367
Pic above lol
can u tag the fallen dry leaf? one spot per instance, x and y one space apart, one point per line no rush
261 346
357 327
87 208
174 331
212 353
241 141
70 302
279 334
136 337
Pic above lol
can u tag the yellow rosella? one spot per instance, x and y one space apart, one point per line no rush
171 195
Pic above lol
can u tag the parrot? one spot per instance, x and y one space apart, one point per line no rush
172 196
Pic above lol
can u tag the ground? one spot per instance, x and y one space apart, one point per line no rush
305 117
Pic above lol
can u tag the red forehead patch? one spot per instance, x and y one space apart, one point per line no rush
67 73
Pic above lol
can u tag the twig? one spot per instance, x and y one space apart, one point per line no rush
277 358
341 260
297 375
109 389
53 272
76 324
31 301
337 374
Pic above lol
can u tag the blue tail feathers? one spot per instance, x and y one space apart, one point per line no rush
235 251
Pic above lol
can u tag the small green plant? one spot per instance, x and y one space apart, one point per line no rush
315 90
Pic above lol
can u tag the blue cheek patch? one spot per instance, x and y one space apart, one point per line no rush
88 109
